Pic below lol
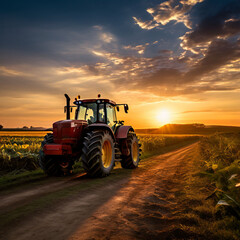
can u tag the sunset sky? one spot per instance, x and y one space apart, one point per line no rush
171 61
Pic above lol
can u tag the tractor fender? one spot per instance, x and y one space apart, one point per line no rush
122 132
100 126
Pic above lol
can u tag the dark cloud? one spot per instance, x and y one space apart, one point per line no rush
165 51
219 53
211 37
223 24
163 77
199 77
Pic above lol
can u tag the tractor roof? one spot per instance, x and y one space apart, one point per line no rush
97 100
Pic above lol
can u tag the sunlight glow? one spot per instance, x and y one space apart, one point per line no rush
164 116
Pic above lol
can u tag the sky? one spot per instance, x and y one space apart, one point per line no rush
171 61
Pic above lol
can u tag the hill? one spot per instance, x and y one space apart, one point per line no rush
195 128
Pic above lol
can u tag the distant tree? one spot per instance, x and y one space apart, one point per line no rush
25 127
1 127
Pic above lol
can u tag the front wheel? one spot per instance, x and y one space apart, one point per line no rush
132 160
98 153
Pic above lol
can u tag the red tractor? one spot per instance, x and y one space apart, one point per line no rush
94 136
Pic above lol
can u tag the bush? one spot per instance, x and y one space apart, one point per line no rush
221 160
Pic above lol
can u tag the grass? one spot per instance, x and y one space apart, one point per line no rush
221 163
153 145
21 152
19 156
215 161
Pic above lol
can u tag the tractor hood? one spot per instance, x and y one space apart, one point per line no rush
68 131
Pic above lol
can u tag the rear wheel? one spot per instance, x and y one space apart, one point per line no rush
98 153
53 165
132 160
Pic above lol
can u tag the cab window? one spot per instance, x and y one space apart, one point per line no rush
88 112
111 115
101 113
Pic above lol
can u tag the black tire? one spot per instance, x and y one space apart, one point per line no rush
98 153
49 164
132 160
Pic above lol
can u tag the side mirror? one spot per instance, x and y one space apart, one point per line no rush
118 108
126 108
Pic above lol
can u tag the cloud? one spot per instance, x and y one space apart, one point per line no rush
145 24
166 75
107 37
5 71
139 48
171 10
219 53
69 58
223 24
20 86
161 75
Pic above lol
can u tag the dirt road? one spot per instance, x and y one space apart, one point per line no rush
145 203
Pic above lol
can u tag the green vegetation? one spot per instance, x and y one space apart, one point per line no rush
19 156
221 154
212 192
153 145
19 153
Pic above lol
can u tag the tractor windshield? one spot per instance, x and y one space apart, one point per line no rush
88 112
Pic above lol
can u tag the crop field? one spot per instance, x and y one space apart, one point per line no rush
21 152
156 144
205 183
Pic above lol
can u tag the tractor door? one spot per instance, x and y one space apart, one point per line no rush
111 116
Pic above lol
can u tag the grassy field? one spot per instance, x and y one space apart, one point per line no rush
21 152
19 155
157 144
211 191
213 188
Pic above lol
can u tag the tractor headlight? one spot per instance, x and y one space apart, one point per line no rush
73 124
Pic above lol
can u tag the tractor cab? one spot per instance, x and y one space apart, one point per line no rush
96 111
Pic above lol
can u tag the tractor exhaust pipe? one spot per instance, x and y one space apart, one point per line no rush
67 108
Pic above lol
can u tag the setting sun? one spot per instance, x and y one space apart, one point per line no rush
164 116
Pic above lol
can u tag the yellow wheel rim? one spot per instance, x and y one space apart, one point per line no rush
106 153
135 152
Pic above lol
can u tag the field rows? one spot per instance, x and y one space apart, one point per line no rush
21 152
